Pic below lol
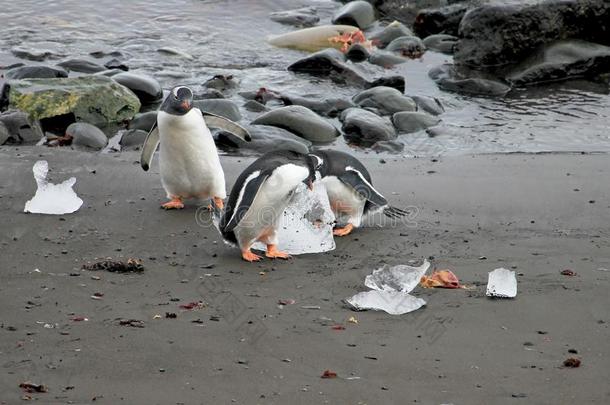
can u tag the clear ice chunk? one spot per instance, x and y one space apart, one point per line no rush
502 283
52 198
401 278
392 302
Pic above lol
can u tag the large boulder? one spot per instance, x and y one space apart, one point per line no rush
97 100
406 11
35 72
145 87
443 20
300 121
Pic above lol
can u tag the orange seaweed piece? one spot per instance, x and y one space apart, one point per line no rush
441 279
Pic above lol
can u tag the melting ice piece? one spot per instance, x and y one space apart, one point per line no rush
502 283
396 278
392 302
306 224
52 198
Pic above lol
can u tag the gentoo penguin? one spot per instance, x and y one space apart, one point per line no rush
258 199
188 159
350 190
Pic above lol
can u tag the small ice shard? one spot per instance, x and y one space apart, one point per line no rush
396 278
502 283
306 224
392 302
52 198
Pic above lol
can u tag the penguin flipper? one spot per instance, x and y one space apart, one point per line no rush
149 147
244 201
353 178
219 122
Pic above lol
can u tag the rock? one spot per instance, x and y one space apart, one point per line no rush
441 43
497 35
407 122
103 54
357 53
35 72
443 20
562 60
410 47
86 135
301 17
390 33
5 90
146 88
405 11
300 121
358 13
397 82
386 59
21 129
386 100
255 106
175 52
447 77
97 100
81 65
330 107
312 39
109 72
266 138
388 146
222 83
133 139
364 127
428 104
219 106
143 121
209 93
37 55
4 134
116 64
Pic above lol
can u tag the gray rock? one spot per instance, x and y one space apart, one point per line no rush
4 134
146 88
86 135
209 93
265 138
103 54
388 146
133 139
410 47
443 20
255 106
81 65
37 55
357 13
219 106
109 72
448 78
430 105
441 43
357 53
302 17
386 59
407 122
21 129
386 100
300 121
222 83
35 72
330 107
175 52
394 30
364 127
143 121
116 64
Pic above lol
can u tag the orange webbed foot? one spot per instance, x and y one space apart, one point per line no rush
218 203
273 253
346 230
248 256
174 204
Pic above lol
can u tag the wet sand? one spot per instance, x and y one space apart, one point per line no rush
475 213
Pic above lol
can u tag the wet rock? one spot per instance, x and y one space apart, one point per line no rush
146 88
300 121
209 93
86 135
448 78
175 52
37 55
386 100
386 59
502 34
133 139
358 13
97 100
222 83
394 30
265 138
410 47
81 65
441 43
219 106
5 89
405 11
4 134
407 122
20 128
302 17
143 121
443 20
562 60
397 82
35 72
430 105
255 106
364 127
103 54
330 107
357 53
116 64
388 146
109 72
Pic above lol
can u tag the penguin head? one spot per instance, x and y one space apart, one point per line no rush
179 101
318 163
313 165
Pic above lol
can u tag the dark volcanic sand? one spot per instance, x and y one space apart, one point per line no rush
519 211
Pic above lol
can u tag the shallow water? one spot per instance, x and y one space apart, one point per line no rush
228 36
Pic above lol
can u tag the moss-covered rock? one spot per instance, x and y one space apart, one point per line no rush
97 100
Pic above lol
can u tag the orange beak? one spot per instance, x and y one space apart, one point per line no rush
185 104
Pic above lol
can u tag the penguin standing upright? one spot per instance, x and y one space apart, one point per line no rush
350 190
188 159
258 199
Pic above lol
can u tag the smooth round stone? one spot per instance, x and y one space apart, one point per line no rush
116 64
133 139
302 17
410 47
209 93
86 135
143 121
448 78
366 128
21 129
430 105
330 107
255 106
386 100
266 138
386 59
219 106
222 83
357 53
81 66
357 13
300 121
390 33
440 43
146 88
35 72
408 122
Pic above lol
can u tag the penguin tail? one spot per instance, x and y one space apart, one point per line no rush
394 213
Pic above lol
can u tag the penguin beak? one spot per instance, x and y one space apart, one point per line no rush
310 184
186 104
